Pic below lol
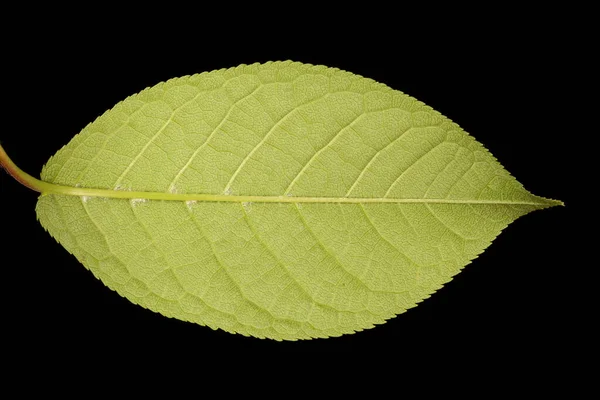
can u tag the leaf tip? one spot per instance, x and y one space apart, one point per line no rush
551 202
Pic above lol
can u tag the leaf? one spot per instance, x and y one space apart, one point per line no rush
278 200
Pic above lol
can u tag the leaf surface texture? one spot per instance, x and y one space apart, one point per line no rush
279 270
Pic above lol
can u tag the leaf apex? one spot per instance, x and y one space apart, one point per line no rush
546 202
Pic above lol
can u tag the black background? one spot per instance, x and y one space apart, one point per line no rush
506 82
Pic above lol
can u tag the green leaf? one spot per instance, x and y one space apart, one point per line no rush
278 200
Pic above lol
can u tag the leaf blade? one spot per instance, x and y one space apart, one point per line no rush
426 200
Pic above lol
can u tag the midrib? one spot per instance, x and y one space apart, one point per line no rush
47 188
125 194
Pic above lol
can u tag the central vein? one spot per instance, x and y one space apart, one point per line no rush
121 194
50 188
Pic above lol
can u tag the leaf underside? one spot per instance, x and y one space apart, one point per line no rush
279 270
